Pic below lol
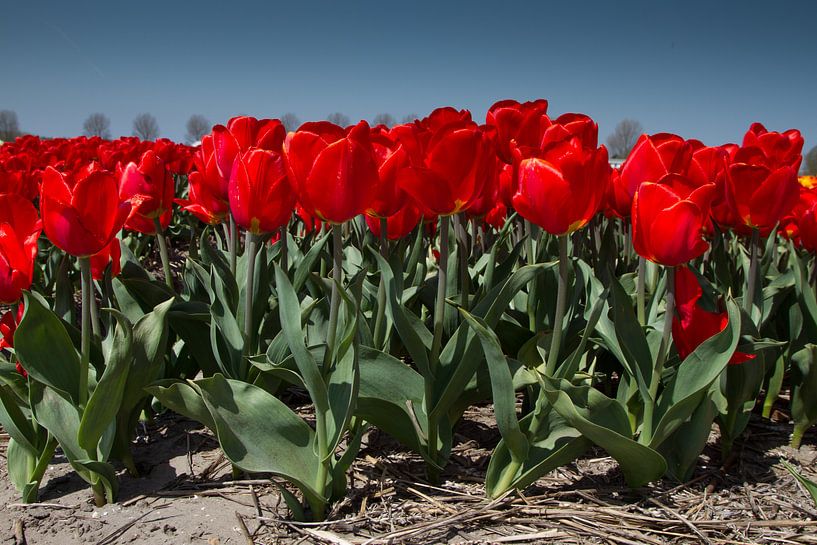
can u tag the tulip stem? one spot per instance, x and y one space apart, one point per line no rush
640 289
160 239
379 332
249 330
531 258
436 345
334 304
462 242
233 245
661 358
439 303
94 312
284 242
561 304
751 281
85 343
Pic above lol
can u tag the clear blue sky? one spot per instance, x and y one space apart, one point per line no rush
701 69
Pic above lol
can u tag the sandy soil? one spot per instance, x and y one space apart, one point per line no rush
187 494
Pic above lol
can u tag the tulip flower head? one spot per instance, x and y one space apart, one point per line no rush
261 198
81 213
149 187
669 219
20 228
564 185
333 170
692 323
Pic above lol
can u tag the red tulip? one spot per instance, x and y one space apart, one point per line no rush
518 125
397 225
761 184
149 188
449 154
669 219
391 158
82 213
692 324
779 149
564 185
208 197
8 326
20 228
261 198
112 254
334 171
652 158
249 132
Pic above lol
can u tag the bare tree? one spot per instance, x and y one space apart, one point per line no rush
197 127
146 127
810 162
9 127
290 121
384 119
97 125
624 137
339 119
409 118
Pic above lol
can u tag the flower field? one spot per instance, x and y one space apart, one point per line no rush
398 277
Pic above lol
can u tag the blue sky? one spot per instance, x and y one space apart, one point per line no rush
700 69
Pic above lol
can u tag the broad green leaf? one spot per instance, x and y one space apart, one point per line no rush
409 332
259 434
106 398
290 311
603 421
45 350
15 423
694 376
305 265
149 345
556 445
502 387
183 398
387 388
20 462
226 338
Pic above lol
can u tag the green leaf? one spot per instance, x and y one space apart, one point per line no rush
387 388
106 398
306 264
605 422
45 350
460 356
290 312
804 394
183 398
694 377
226 338
411 333
259 433
149 345
20 461
502 388
555 445
682 448
809 485
15 423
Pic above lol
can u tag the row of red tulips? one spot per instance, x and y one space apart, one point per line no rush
673 201
552 172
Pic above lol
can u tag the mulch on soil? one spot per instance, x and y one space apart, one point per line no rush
752 499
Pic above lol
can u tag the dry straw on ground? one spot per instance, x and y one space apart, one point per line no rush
188 495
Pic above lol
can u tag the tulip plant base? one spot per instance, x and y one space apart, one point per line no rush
755 500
